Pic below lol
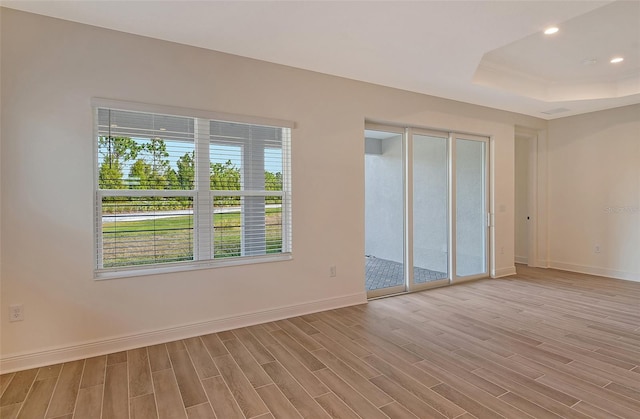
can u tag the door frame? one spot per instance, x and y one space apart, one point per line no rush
488 222
398 289
412 286
532 139
407 187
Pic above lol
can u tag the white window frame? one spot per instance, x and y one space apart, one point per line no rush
202 196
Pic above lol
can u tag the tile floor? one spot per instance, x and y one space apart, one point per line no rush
382 273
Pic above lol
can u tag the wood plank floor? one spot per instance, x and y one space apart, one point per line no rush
542 344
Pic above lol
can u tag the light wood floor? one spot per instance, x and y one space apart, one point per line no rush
543 344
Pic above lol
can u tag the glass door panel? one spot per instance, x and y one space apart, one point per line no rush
384 213
430 211
471 207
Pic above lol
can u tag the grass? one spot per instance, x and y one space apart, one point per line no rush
171 239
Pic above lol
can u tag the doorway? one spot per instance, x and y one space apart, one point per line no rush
426 209
526 146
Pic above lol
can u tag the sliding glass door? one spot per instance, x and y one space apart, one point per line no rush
426 209
471 207
429 214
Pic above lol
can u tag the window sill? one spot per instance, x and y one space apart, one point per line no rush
128 271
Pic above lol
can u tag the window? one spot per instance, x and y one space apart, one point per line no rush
178 192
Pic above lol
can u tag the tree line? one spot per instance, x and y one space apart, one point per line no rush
149 168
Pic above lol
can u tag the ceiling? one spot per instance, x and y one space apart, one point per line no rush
490 53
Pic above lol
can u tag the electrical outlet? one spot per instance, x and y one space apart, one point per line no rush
332 271
596 248
16 313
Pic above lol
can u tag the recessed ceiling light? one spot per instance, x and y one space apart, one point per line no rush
551 30
617 60
163 129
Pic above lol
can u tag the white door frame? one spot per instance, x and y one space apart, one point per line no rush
453 137
409 213
531 137
398 289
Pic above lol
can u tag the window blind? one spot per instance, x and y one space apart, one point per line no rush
177 189
254 158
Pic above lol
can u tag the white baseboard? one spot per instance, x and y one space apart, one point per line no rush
501 272
82 350
522 259
542 263
595 270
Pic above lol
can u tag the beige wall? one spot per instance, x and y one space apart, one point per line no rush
3 308
50 71
594 192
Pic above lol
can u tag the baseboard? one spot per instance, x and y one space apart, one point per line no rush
502 272
542 263
594 270
522 259
74 352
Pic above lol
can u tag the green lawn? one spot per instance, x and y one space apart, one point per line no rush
171 239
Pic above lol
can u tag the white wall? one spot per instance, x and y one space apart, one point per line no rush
384 202
50 71
594 192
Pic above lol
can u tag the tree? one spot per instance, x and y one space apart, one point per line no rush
159 156
224 177
186 171
140 175
157 150
118 149
273 181
152 169
110 176
172 179
115 152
